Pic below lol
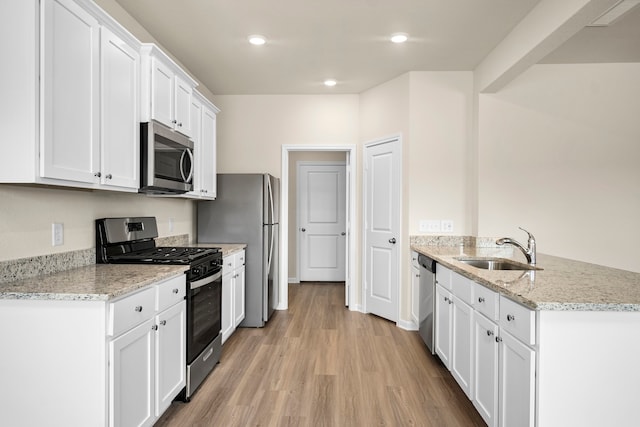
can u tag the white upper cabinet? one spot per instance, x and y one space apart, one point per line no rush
166 91
70 75
79 111
119 124
203 121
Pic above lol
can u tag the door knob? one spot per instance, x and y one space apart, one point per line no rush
392 240
303 229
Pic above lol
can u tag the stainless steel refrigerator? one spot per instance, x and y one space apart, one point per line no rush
246 210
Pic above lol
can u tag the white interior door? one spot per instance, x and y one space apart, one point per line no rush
322 221
382 191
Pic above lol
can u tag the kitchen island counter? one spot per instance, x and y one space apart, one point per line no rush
561 284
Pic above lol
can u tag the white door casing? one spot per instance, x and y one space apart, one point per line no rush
321 221
382 190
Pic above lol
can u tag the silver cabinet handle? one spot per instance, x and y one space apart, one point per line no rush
109 176
154 327
489 333
98 174
138 308
174 121
450 301
480 299
392 240
303 229
417 275
179 124
498 339
446 299
175 291
163 322
510 317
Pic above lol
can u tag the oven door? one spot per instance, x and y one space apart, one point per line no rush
204 317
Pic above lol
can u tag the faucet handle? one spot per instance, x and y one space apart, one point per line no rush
530 235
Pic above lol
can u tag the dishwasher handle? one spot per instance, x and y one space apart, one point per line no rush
426 262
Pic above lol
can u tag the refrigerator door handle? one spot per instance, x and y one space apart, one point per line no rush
272 217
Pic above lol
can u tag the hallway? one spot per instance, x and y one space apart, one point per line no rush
319 364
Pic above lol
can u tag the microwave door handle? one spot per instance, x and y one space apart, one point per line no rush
190 170
182 165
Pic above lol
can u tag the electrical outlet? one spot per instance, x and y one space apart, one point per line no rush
430 225
446 225
57 234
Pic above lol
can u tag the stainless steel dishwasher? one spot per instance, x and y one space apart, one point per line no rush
426 295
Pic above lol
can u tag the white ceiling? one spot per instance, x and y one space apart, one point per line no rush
310 41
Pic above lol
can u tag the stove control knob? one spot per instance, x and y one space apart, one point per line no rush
195 270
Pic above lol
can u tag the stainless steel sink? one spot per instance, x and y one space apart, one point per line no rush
496 264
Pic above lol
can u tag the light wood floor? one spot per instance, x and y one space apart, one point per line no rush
319 364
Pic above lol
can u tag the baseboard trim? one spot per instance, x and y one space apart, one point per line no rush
407 325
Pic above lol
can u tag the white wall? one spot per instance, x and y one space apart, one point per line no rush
253 128
27 212
559 154
441 111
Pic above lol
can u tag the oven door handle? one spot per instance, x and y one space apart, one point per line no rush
206 280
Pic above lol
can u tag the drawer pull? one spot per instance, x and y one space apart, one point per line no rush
163 322
480 299
510 317
138 308
498 339
154 327
489 333
175 291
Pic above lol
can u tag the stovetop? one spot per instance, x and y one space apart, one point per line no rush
164 255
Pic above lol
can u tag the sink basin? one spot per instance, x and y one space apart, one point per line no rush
496 264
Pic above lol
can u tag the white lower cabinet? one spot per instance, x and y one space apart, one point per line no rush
233 292
454 326
147 363
504 366
415 289
487 341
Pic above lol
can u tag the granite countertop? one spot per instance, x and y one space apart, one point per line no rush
562 284
97 282
227 248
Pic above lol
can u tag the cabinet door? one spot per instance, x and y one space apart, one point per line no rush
182 116
131 377
196 137
444 302
517 382
120 127
208 160
239 295
162 93
485 369
70 87
170 355
462 344
227 305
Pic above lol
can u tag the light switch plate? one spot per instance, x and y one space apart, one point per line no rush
446 225
429 225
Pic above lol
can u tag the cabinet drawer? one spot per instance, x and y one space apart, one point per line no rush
228 264
518 320
486 301
130 311
443 276
238 259
170 292
462 287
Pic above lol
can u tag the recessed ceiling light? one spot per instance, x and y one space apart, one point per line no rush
257 39
330 82
399 37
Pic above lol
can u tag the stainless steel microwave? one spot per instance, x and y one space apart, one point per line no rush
166 158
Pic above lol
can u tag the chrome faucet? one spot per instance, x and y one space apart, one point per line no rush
529 252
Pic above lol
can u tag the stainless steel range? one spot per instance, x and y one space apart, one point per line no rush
132 241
